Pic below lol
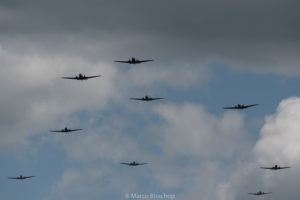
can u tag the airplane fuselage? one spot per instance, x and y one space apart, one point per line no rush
146 98
240 106
276 167
81 77
66 130
134 61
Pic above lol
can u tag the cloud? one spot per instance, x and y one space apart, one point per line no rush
280 137
34 95
36 99
69 177
188 148
197 154
179 75
191 130
76 183
278 144
246 36
219 156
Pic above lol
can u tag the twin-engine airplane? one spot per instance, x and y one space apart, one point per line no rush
146 98
81 77
133 163
276 167
240 106
133 61
260 193
65 130
21 177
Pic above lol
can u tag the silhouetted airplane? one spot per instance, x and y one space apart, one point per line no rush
133 163
65 130
276 167
240 106
146 98
260 193
21 177
81 77
133 61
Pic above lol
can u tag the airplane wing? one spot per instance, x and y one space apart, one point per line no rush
140 99
74 78
251 105
23 177
119 61
141 61
156 98
13 177
27 177
125 163
76 129
253 193
142 163
285 167
229 107
57 131
266 168
87 77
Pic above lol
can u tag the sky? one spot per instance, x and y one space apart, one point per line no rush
207 55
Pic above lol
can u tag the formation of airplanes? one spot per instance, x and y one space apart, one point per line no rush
241 106
276 167
133 163
21 177
65 130
81 77
260 193
133 61
147 98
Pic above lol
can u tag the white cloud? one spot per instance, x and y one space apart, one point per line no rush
201 155
34 97
278 144
191 130
198 150
280 138
178 75
68 179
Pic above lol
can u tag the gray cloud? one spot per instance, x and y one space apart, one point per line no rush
256 36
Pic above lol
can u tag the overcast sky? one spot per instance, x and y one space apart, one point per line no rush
207 55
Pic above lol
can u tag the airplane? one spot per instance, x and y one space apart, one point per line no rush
21 177
133 61
276 167
81 77
240 106
146 98
133 163
65 130
260 193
